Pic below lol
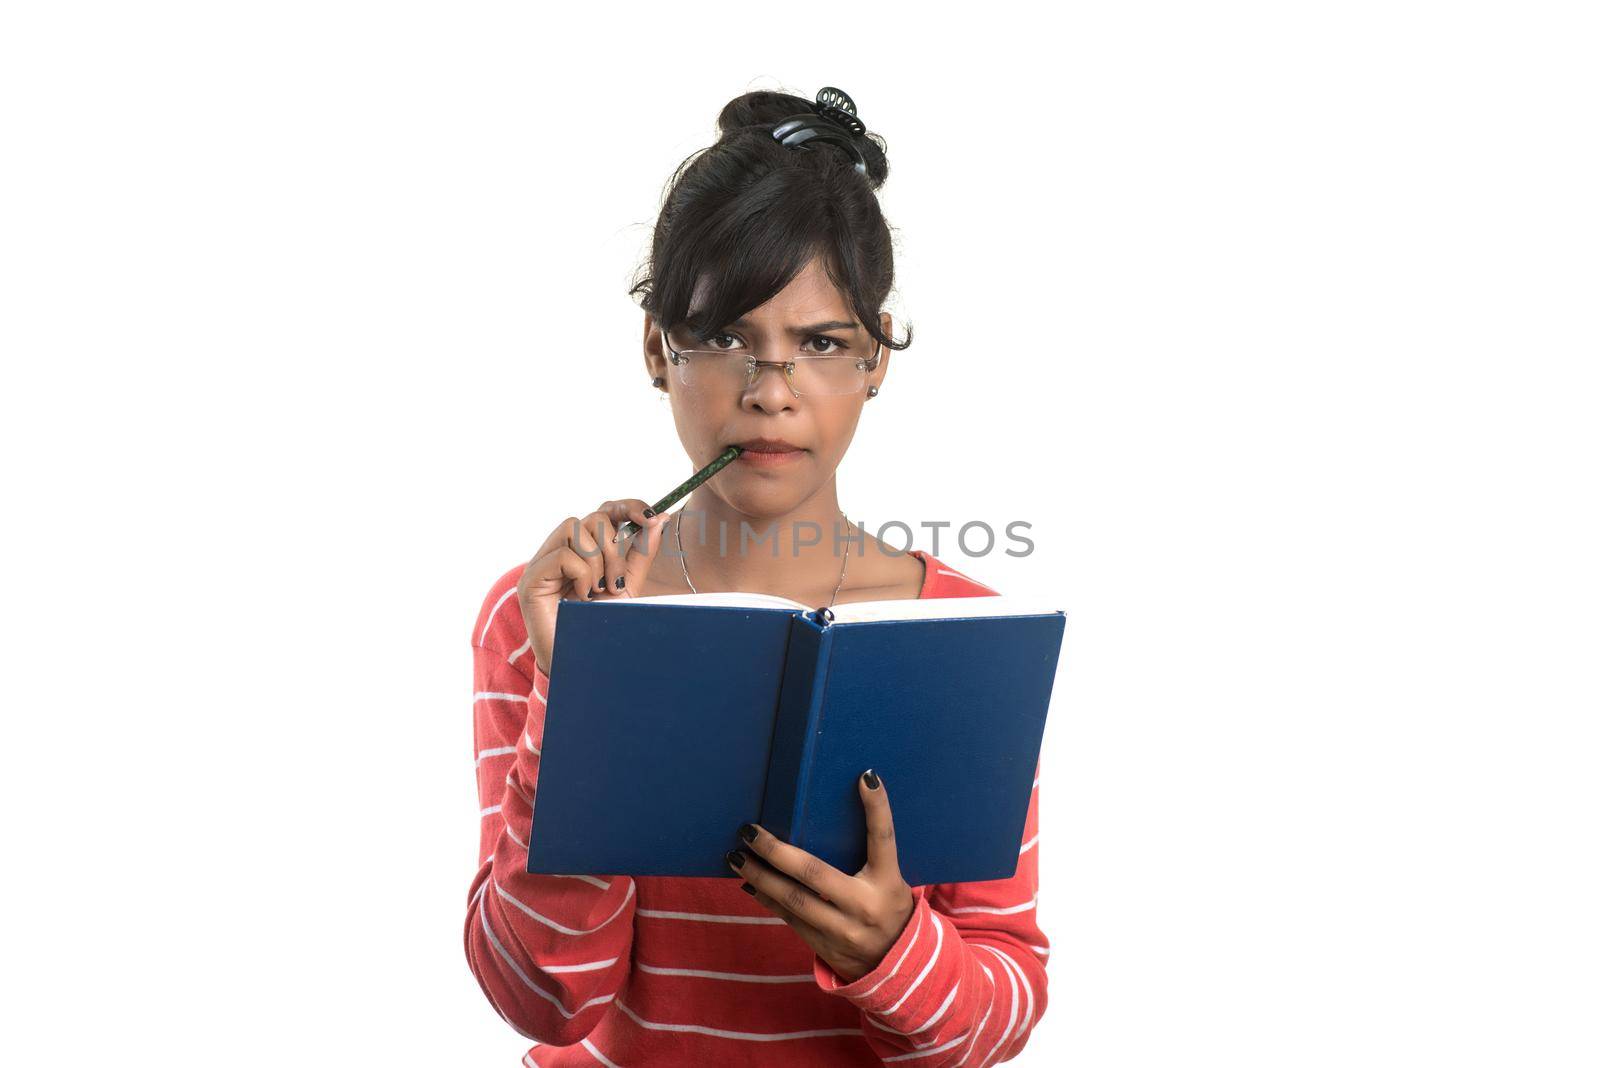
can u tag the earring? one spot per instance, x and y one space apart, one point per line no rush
872 391
658 381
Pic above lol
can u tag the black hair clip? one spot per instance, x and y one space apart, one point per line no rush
836 105
832 120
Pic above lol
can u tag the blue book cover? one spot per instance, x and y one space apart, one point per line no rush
672 720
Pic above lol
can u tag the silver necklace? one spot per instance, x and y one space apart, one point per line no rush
677 530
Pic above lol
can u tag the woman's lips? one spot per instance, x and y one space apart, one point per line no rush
770 459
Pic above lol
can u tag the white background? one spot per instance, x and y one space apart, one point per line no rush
1277 322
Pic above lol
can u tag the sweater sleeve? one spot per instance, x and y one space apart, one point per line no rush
964 984
549 951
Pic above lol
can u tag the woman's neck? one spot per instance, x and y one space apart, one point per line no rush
798 555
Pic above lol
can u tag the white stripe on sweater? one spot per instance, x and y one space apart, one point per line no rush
744 1036
1022 977
996 911
518 790
954 1042
504 597
590 879
529 983
552 924
587 966
473 904
1027 989
939 1013
909 946
978 1030
706 917
732 977
1011 1019
938 943
601 1057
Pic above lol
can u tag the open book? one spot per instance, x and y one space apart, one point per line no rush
673 719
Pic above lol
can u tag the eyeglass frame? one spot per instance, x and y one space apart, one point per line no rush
678 359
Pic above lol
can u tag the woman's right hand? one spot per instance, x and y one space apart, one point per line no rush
569 567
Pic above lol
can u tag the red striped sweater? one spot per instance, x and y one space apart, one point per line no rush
635 971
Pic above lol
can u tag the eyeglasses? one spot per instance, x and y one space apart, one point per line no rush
733 369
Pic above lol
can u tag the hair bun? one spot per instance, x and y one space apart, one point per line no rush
759 108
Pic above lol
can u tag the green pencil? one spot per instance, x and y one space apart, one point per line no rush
683 490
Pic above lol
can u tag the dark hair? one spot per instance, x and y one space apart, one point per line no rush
748 213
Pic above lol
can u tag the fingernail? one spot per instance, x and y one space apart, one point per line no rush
747 888
871 779
748 832
621 581
735 858
649 512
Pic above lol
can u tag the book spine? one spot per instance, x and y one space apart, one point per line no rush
794 728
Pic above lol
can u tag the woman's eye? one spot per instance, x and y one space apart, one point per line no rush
715 341
829 345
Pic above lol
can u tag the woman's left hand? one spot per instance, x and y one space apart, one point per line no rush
849 920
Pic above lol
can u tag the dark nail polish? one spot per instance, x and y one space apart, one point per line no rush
735 858
621 580
871 778
747 888
649 513
748 832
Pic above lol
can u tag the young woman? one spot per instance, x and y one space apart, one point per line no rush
763 326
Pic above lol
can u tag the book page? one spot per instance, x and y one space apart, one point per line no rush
720 599
940 608
861 611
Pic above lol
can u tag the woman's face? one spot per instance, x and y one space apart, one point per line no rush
819 426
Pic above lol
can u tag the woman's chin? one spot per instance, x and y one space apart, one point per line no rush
761 500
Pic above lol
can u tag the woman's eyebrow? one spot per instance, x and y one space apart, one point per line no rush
813 328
